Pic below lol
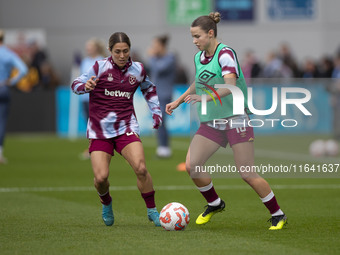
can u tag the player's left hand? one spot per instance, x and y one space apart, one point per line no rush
157 121
192 99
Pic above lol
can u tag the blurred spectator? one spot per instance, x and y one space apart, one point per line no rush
335 100
181 76
286 71
326 67
40 62
251 68
29 81
336 70
135 56
272 67
38 55
48 78
95 50
309 69
288 59
162 71
21 48
276 68
8 61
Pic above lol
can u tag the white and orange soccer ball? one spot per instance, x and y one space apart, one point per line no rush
174 216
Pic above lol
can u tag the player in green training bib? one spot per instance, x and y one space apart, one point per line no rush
208 74
215 64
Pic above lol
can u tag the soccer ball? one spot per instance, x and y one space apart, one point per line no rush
174 216
317 148
332 148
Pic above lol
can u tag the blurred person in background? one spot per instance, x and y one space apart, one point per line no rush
41 74
181 73
287 57
310 69
38 56
335 97
21 47
112 126
8 62
135 56
251 67
40 62
162 65
275 67
95 50
326 67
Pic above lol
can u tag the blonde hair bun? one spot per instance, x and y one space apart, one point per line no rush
215 16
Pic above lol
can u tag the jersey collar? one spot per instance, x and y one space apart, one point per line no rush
125 68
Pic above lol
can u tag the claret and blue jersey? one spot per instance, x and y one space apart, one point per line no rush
111 110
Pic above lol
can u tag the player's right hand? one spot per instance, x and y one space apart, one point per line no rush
91 83
170 107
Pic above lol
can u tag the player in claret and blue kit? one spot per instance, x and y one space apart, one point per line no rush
216 63
112 125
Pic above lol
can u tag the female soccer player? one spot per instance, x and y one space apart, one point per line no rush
217 63
112 124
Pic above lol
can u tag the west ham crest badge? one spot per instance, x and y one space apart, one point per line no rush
132 79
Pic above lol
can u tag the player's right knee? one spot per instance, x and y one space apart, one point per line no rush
187 167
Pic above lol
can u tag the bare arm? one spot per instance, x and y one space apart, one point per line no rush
86 82
173 105
229 79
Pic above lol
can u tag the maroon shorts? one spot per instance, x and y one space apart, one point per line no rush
223 137
116 143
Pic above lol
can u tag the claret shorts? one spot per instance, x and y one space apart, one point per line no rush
224 134
116 143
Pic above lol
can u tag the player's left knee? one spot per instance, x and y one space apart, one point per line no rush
141 170
248 176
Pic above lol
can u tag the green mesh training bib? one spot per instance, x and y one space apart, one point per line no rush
207 76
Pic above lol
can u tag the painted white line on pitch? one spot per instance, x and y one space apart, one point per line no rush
262 153
288 156
293 156
180 187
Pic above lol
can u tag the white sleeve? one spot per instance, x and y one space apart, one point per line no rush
227 60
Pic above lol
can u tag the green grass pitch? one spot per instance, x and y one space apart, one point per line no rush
48 204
